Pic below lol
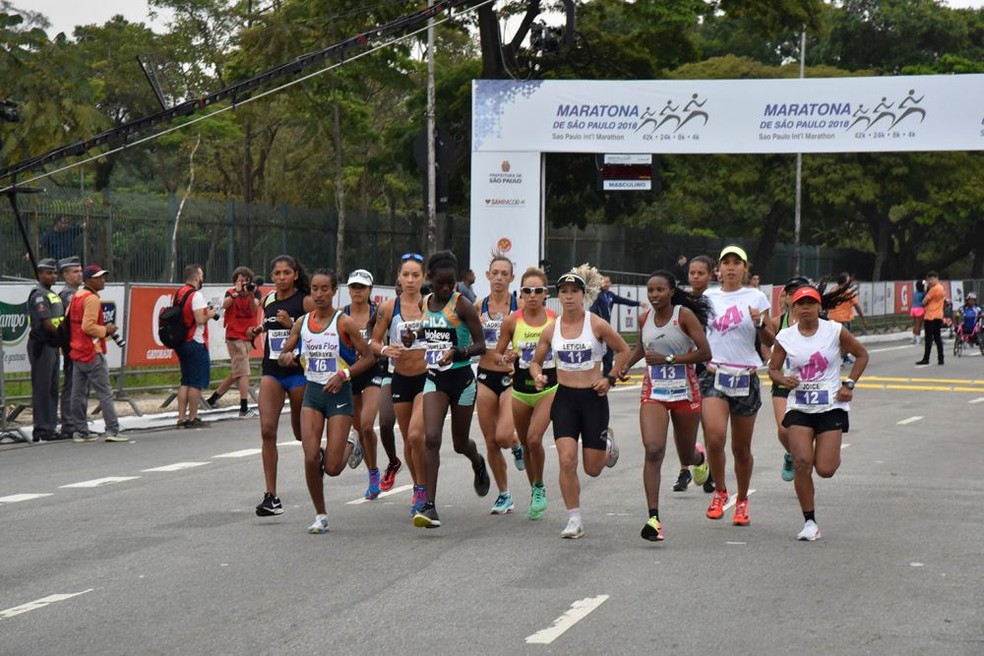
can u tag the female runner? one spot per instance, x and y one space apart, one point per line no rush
580 409
807 360
329 339
518 337
397 322
672 340
454 335
729 386
281 308
494 378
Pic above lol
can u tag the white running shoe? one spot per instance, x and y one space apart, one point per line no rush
810 532
574 529
611 447
355 458
320 525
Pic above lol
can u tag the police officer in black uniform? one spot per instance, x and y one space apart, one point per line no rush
47 312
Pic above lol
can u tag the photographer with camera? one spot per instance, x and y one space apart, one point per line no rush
87 338
196 365
241 312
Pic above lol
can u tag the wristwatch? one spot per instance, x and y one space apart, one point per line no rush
611 380
849 384
670 359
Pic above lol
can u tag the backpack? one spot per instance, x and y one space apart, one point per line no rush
171 327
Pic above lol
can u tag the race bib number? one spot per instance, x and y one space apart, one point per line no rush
412 335
435 351
322 365
576 359
276 339
733 381
491 331
669 382
812 397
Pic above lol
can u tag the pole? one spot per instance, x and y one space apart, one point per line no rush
431 155
798 208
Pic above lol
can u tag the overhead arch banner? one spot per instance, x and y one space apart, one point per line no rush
812 115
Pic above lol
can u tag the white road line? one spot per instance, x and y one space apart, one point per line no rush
238 454
39 603
99 482
630 388
910 420
734 497
844 446
979 399
395 490
178 466
890 348
577 612
17 498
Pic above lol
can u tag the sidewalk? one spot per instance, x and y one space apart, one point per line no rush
154 418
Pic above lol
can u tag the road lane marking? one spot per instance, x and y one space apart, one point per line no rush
979 399
17 498
733 498
39 603
99 482
844 446
577 612
395 490
239 454
178 466
910 420
952 381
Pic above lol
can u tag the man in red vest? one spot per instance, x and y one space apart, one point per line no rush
193 355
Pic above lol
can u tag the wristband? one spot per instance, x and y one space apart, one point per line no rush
382 351
346 374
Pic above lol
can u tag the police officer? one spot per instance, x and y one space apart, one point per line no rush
71 273
46 312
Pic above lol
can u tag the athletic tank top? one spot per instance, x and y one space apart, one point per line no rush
524 341
364 331
816 362
444 329
276 334
490 324
399 326
321 348
579 353
668 382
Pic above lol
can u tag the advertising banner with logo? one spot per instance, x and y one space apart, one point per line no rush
505 212
626 318
813 115
903 297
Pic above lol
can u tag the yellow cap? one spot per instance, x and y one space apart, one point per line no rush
734 250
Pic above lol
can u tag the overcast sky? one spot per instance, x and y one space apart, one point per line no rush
66 14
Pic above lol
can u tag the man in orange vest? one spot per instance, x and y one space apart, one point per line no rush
933 319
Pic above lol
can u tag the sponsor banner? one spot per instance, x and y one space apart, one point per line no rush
625 318
866 296
505 212
889 299
813 115
903 297
956 293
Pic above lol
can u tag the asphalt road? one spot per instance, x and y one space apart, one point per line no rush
152 547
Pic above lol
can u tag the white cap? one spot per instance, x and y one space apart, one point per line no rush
360 277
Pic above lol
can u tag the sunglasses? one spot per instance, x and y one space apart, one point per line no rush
533 290
411 256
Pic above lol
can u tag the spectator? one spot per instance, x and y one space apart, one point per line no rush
241 306
918 311
71 273
58 241
843 313
193 353
933 318
88 332
602 306
465 286
680 270
46 312
754 280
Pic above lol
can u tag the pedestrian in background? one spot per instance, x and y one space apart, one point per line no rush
196 366
88 331
241 307
918 312
47 312
844 312
71 273
933 317
465 287
602 306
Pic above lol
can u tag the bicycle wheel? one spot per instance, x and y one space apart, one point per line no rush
958 346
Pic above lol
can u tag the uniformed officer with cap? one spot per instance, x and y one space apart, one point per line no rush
71 273
47 312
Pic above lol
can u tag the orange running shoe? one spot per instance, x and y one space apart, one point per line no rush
716 509
741 513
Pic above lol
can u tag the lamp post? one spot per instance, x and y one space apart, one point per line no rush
798 207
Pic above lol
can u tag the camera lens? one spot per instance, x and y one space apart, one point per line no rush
251 287
119 340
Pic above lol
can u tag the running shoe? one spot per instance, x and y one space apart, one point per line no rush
195 423
538 503
372 492
611 447
716 509
269 506
503 504
116 437
740 517
702 472
810 532
574 529
787 468
79 436
517 452
653 530
426 517
419 499
320 525
355 458
482 481
709 483
683 481
389 476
